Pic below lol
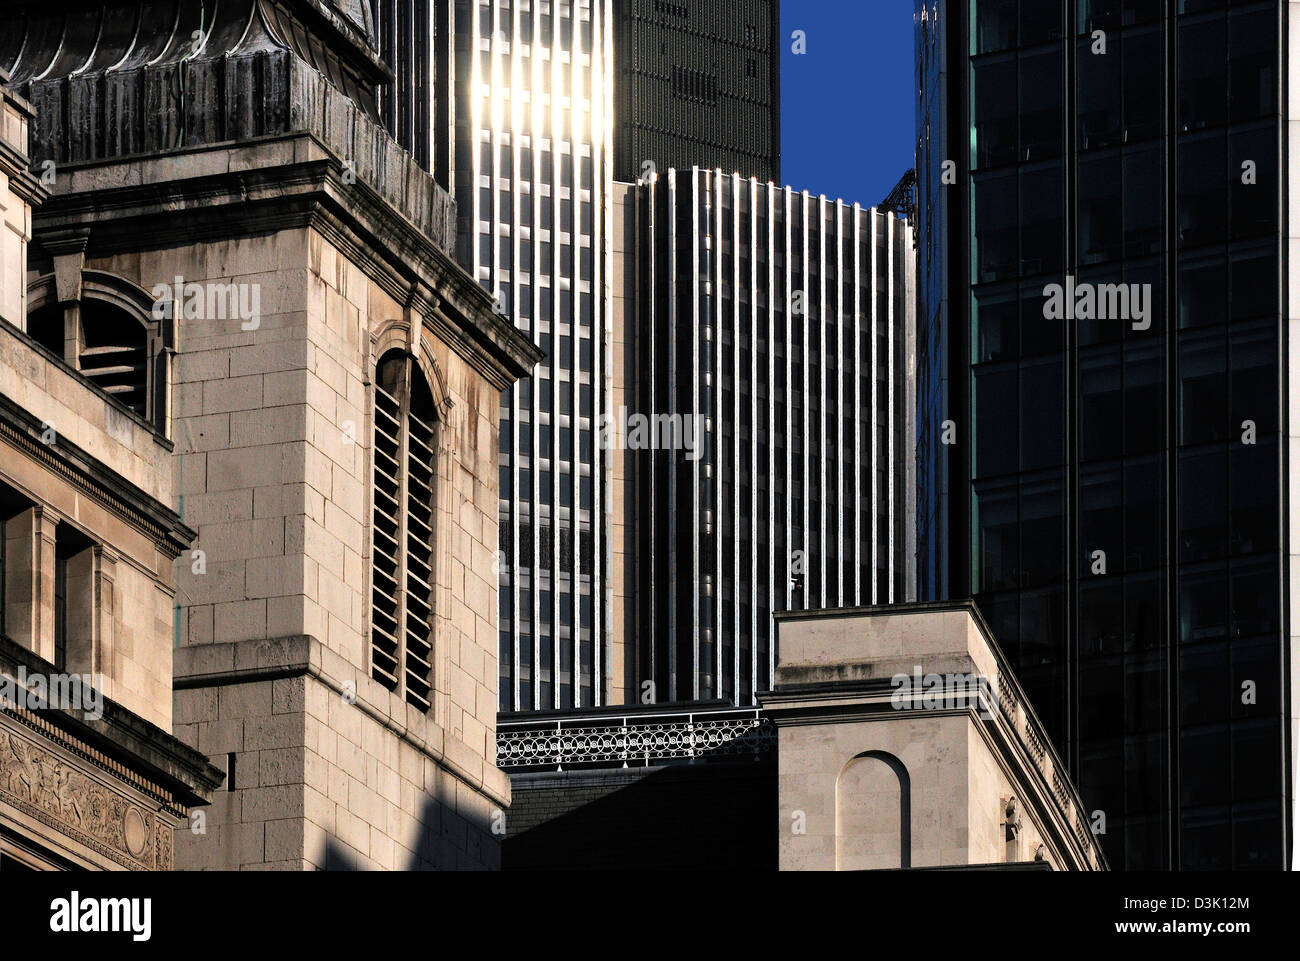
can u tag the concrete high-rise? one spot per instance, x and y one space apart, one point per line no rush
766 337
540 99
697 84
529 97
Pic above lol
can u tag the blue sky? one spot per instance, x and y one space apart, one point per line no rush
847 106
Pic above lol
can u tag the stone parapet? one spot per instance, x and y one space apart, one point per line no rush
905 740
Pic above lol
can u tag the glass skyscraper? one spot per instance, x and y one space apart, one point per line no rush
533 168
1102 462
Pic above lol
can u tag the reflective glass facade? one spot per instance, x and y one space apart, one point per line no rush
533 168
511 105
1109 488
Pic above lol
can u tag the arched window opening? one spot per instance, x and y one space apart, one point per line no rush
45 326
115 354
110 335
402 575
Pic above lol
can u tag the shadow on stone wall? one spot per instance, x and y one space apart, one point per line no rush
448 842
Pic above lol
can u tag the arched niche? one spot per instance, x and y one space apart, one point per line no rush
873 816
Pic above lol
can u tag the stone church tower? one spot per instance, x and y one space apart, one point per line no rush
327 381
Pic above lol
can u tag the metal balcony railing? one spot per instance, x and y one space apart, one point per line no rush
623 740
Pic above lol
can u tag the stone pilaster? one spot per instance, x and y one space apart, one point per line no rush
29 580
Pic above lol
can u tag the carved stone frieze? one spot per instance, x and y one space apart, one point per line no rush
69 795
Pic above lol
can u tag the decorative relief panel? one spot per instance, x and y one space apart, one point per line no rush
69 795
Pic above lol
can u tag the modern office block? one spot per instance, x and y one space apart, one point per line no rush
414 41
1104 388
530 93
771 348
544 100
697 84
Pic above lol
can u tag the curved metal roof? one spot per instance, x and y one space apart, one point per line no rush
358 13
110 37
40 43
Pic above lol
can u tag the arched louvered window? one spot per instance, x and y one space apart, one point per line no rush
401 629
110 335
116 354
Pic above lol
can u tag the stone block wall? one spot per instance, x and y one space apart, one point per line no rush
272 423
120 612
331 771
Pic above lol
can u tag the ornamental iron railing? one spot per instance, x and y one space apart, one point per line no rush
623 740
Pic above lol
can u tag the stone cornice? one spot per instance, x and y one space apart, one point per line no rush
39 722
245 662
1008 683
56 795
120 742
25 184
92 477
299 184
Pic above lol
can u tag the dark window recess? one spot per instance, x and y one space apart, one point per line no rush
402 572
679 10
525 545
695 85
3 588
566 549
45 326
68 543
506 544
60 611
544 548
114 355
